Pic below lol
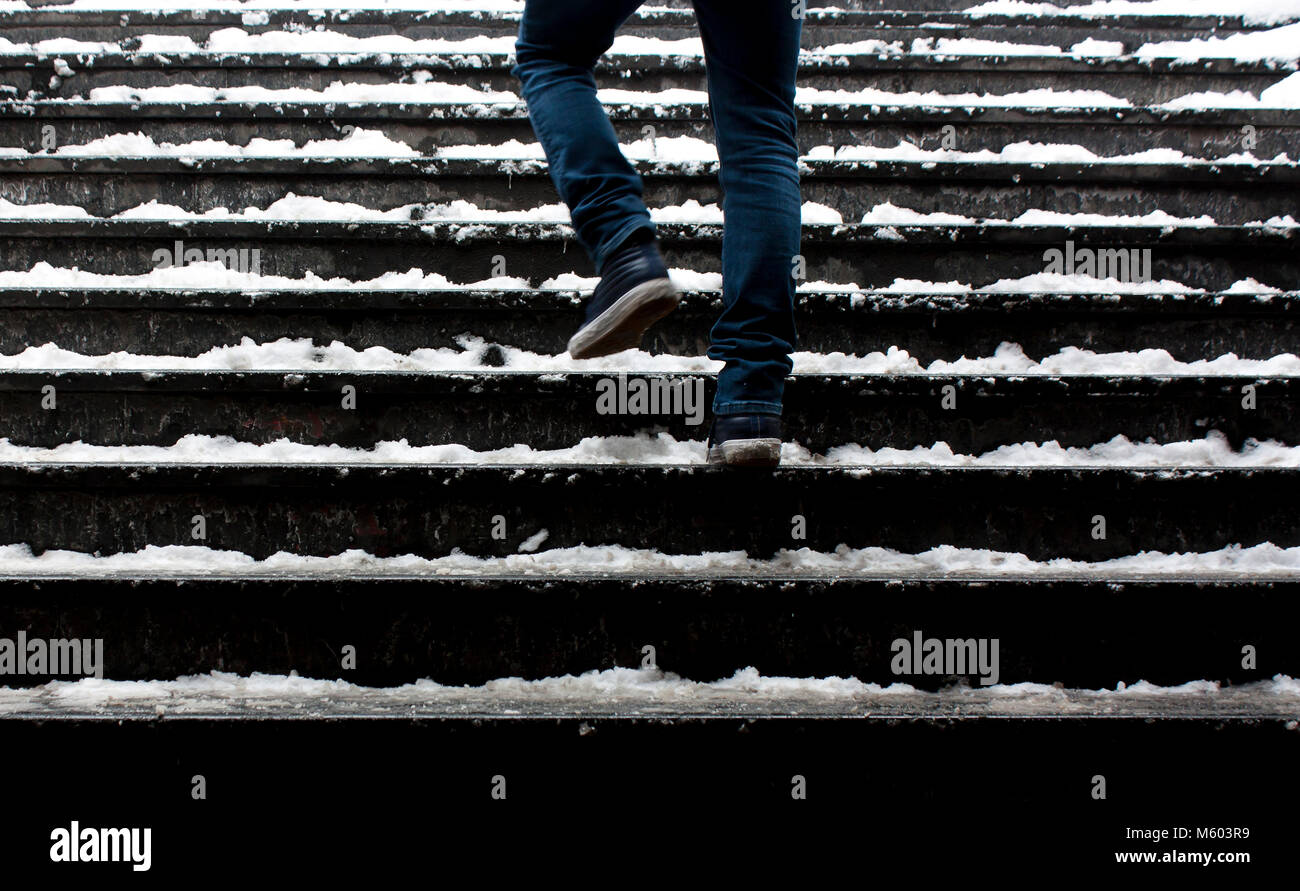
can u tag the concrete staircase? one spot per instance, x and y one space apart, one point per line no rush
288 424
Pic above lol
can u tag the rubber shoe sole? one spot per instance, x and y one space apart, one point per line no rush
746 453
624 324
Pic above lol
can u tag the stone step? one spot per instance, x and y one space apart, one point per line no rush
1092 631
1141 80
431 510
977 253
487 409
106 185
1117 130
190 321
850 21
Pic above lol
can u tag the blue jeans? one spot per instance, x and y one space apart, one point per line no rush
751 53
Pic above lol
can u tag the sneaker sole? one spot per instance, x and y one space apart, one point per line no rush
747 453
623 325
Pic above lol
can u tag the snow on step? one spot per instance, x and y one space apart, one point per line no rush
662 448
1284 94
365 143
360 143
1261 561
1015 153
1261 12
257 9
632 692
212 275
315 209
310 208
1276 44
302 355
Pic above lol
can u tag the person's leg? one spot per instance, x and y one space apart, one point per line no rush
751 56
559 44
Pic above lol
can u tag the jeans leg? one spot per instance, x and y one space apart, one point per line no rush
751 55
559 44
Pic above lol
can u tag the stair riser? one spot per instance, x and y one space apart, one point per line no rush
1205 258
485 412
852 196
1106 136
471 632
1138 86
926 336
429 512
819 28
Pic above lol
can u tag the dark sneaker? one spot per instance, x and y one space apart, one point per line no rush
634 292
745 440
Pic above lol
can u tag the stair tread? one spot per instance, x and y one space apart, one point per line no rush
472 379
843 59
652 106
471 229
870 300
221 15
429 474
1197 170
684 581
284 698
